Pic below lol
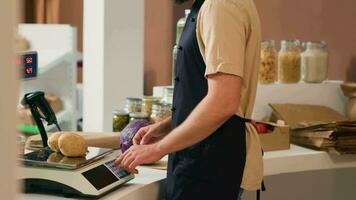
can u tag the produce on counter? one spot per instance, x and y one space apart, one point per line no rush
72 145
53 141
69 144
268 66
260 127
289 62
129 132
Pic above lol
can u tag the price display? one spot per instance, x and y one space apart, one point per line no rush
28 64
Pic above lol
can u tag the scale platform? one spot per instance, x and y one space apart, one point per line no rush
45 171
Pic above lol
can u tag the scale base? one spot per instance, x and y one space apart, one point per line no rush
41 186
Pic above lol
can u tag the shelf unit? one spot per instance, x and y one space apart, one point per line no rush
57 56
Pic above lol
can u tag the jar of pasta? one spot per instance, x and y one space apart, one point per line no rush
315 62
268 66
147 103
160 112
289 62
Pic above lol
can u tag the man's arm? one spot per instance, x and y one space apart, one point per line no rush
221 102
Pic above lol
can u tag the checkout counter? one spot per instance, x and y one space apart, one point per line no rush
297 173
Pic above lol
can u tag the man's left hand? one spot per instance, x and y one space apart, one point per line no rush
137 155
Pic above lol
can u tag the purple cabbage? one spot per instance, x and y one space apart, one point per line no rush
129 133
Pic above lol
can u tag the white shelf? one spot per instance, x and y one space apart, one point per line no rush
326 94
48 59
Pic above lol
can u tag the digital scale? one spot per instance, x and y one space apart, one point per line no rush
48 171
92 176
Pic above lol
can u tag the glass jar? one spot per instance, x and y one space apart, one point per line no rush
133 104
289 62
157 113
167 95
315 62
138 116
268 66
147 103
119 120
160 112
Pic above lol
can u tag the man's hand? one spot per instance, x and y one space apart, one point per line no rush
153 133
137 155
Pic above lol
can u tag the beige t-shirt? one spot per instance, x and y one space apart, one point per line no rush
229 37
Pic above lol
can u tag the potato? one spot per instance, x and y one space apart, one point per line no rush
72 145
53 141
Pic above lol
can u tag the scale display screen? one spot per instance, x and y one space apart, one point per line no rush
28 64
100 177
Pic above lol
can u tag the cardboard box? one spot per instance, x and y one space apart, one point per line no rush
278 139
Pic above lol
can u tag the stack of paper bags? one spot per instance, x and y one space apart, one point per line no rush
318 127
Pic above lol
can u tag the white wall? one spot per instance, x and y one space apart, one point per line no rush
113 58
8 101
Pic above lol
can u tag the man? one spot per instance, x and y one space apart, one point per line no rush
211 157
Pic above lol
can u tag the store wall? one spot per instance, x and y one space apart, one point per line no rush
328 20
71 12
160 22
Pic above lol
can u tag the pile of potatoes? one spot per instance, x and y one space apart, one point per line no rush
69 144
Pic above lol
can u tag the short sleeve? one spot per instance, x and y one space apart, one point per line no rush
222 34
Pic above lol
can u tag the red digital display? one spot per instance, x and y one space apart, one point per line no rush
28 60
29 70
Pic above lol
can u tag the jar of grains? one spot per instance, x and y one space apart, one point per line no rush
160 112
315 62
289 62
268 66
147 103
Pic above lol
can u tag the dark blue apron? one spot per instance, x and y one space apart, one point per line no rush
213 168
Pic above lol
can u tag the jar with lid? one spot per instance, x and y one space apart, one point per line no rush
160 112
315 62
119 120
133 104
147 103
167 95
157 113
268 65
289 62
138 116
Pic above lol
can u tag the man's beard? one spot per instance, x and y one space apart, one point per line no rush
180 1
